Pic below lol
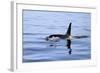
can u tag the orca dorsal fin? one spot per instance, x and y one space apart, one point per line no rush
69 30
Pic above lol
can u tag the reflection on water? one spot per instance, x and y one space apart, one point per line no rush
54 45
37 25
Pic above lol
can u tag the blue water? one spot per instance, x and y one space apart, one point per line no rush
37 25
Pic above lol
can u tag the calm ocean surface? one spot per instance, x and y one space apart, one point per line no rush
37 25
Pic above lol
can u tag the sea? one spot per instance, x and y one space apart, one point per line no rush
38 24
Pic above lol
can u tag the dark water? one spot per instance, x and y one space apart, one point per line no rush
37 25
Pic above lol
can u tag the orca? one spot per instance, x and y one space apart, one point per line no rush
67 35
57 37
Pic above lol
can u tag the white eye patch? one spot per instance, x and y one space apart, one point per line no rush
54 38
